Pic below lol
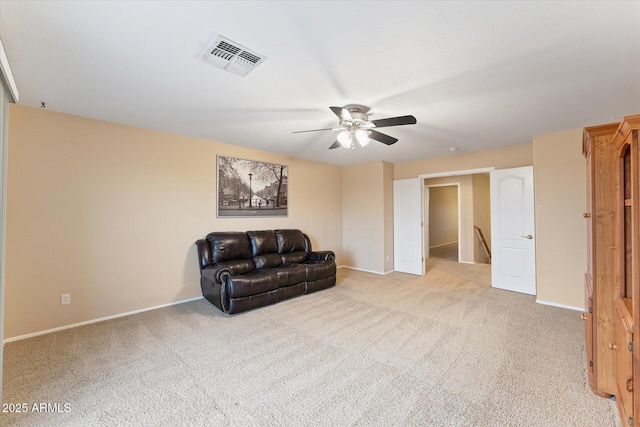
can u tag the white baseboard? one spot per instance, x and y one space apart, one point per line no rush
88 322
467 262
555 304
444 244
365 270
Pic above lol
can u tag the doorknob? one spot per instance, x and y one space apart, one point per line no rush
528 236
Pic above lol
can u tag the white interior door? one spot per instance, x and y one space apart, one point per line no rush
407 226
512 230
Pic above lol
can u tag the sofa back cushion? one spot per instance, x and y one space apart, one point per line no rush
264 248
263 242
290 241
229 246
291 245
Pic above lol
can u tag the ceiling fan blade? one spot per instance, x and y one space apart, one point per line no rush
334 145
341 113
385 139
314 130
395 121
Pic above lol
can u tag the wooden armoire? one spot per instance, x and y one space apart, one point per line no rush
628 276
612 280
600 288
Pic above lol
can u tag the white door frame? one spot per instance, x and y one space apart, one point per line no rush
6 96
426 217
426 227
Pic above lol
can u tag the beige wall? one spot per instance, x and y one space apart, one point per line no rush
501 158
364 221
561 234
110 214
443 215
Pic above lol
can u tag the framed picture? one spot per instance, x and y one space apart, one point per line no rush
250 188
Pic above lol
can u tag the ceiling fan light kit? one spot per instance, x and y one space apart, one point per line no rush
346 137
362 136
354 123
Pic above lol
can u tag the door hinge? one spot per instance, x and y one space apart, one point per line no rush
590 309
630 421
591 363
630 347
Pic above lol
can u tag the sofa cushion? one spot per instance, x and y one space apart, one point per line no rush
287 292
229 245
267 260
238 305
290 241
317 270
290 274
290 257
252 283
262 242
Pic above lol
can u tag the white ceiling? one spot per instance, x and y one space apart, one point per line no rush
476 75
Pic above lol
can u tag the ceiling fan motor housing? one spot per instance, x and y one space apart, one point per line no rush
358 119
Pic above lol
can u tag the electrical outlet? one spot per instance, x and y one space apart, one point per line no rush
65 299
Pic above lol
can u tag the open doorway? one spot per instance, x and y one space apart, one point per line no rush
510 220
442 229
457 216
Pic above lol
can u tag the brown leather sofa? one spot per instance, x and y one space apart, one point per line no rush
240 271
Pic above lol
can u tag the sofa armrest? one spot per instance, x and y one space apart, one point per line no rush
217 274
321 256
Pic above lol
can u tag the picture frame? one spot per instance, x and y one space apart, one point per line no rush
249 188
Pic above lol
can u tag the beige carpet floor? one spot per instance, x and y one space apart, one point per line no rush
397 350
449 252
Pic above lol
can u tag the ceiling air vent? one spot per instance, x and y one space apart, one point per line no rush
231 56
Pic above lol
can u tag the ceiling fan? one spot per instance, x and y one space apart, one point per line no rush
355 125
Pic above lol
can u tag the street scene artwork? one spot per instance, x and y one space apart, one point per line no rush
250 188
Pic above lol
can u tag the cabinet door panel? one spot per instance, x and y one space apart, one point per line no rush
589 344
624 373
